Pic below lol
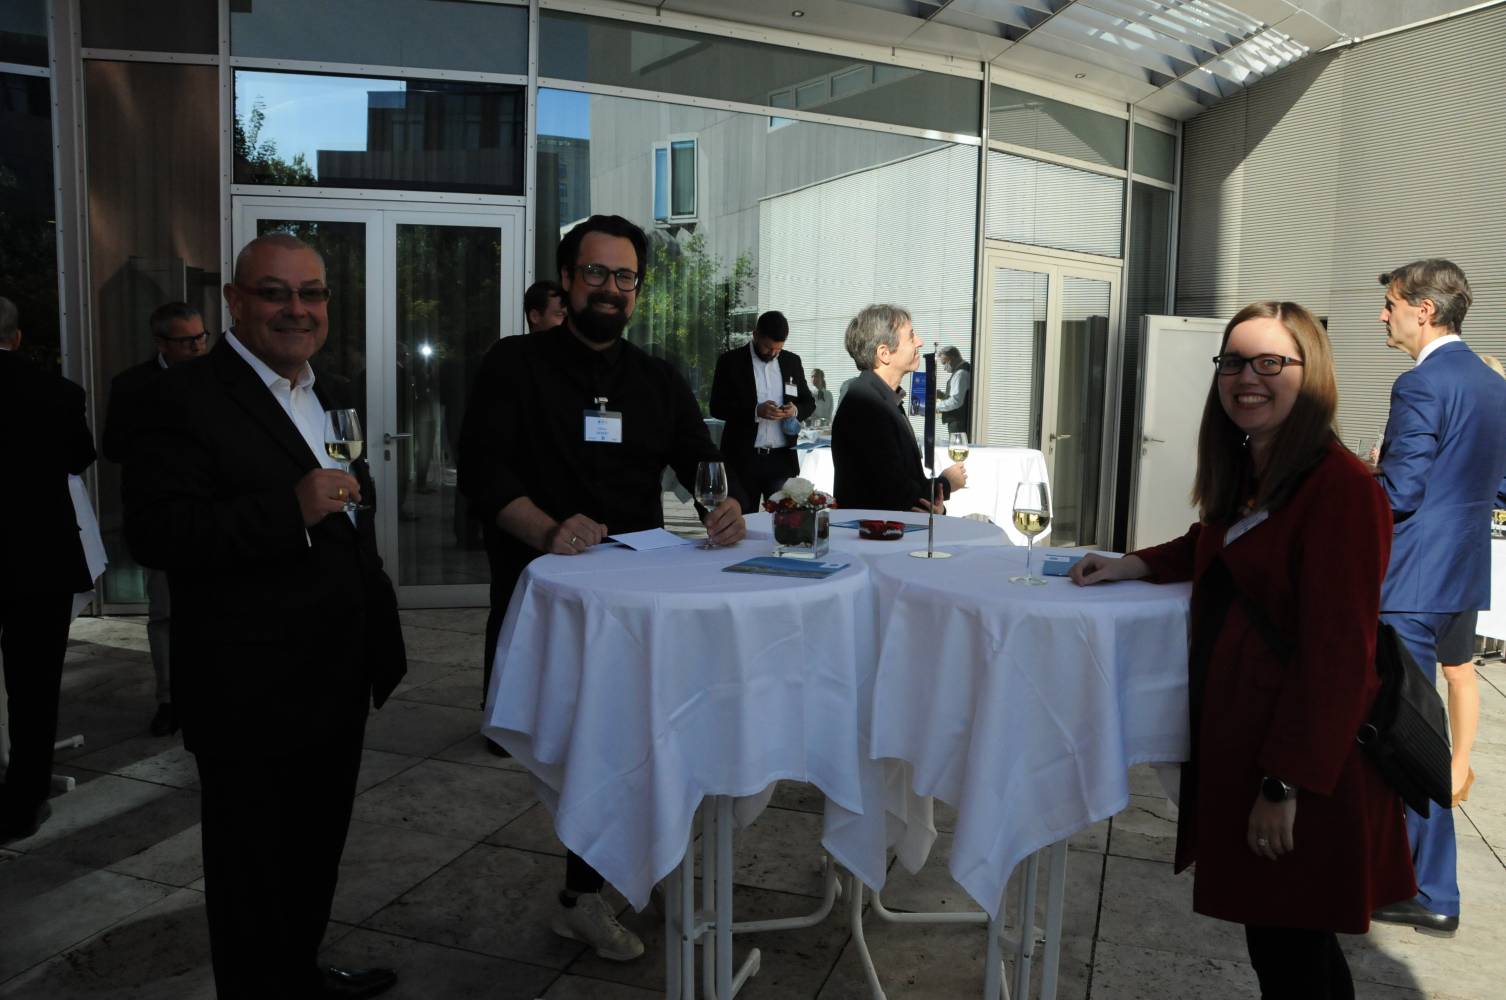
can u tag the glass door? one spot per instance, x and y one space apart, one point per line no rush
419 296
1046 356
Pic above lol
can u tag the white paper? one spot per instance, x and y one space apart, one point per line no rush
644 541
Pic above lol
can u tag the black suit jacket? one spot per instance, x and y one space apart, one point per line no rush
129 394
734 400
279 635
874 449
45 439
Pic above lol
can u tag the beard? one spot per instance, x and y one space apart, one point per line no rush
598 327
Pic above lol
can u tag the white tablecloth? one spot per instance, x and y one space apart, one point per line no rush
992 475
949 531
1022 706
1492 622
632 684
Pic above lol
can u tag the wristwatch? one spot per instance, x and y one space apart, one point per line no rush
1276 790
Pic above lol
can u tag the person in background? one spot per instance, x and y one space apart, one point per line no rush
543 306
1441 462
872 443
759 393
42 565
179 334
825 405
1293 831
954 402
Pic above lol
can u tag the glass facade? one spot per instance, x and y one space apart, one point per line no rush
434 34
816 221
644 57
302 130
23 32
163 26
1155 154
28 233
1048 205
1035 122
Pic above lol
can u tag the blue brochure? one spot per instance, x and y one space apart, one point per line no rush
778 566
1058 565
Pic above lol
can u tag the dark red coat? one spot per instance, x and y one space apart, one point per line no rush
1315 568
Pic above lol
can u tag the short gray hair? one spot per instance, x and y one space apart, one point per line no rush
875 325
10 319
286 241
1437 279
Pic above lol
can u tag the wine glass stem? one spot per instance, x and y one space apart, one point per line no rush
1029 553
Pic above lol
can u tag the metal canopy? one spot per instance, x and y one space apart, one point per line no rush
1174 57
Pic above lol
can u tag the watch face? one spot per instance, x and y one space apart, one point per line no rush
1273 789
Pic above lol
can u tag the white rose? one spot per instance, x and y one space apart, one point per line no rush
799 490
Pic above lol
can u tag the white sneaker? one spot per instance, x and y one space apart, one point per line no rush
591 921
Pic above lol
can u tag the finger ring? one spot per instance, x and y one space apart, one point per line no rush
1262 842
573 539
340 493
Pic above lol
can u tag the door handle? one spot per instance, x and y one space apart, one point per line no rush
1147 437
1060 437
389 438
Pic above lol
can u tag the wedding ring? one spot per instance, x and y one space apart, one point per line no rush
573 540
1262 842
340 493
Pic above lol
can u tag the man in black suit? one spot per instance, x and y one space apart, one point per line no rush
872 443
754 391
285 627
41 565
178 330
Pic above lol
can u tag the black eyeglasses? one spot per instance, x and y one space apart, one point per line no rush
595 275
192 339
1264 364
280 295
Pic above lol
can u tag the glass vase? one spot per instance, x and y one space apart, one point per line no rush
802 534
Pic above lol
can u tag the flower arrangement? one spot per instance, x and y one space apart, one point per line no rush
798 494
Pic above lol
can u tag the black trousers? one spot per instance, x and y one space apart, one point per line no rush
274 827
763 474
33 640
1296 964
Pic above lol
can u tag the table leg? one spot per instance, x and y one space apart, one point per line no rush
1056 894
708 894
724 971
855 911
1025 950
679 926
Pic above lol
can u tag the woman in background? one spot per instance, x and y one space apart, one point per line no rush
1293 831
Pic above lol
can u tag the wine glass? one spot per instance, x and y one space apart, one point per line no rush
1032 515
344 442
956 446
710 490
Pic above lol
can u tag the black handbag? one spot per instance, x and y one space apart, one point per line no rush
1406 736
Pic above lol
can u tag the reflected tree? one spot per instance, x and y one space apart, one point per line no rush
259 158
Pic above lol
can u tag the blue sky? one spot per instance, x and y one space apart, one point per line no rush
309 113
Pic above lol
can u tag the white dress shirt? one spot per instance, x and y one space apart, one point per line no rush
768 386
297 400
957 386
1447 338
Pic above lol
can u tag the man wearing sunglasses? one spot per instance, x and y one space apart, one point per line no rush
179 334
565 440
285 628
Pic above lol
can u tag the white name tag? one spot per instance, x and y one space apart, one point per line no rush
1242 527
604 426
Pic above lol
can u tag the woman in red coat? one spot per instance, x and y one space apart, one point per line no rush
1293 831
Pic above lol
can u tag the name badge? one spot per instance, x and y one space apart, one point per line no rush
604 426
1242 527
790 392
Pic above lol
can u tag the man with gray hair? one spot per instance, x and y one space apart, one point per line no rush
873 446
42 565
179 335
1443 456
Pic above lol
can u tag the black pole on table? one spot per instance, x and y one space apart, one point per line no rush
930 448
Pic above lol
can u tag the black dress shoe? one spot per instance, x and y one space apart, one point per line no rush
354 984
165 722
20 823
1413 913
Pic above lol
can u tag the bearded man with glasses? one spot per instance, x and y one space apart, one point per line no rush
566 438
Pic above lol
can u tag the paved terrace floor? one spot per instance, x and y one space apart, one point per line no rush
451 868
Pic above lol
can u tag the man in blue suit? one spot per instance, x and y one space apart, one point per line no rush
1443 457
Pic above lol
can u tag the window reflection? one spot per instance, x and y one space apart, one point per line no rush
23 32
28 259
816 221
362 132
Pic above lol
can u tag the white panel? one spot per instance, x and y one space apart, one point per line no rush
1016 338
1044 204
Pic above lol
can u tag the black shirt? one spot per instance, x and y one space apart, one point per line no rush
524 435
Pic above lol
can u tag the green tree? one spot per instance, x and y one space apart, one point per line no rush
687 310
258 157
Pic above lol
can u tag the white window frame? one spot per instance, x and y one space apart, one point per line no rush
667 146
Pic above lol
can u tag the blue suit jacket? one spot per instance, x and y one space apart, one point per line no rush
1442 461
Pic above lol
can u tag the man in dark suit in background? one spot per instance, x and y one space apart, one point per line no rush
1441 462
754 391
285 627
178 331
42 565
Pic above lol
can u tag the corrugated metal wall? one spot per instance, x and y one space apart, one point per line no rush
1308 185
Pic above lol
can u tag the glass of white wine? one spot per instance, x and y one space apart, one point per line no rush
1032 515
710 490
956 446
344 442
